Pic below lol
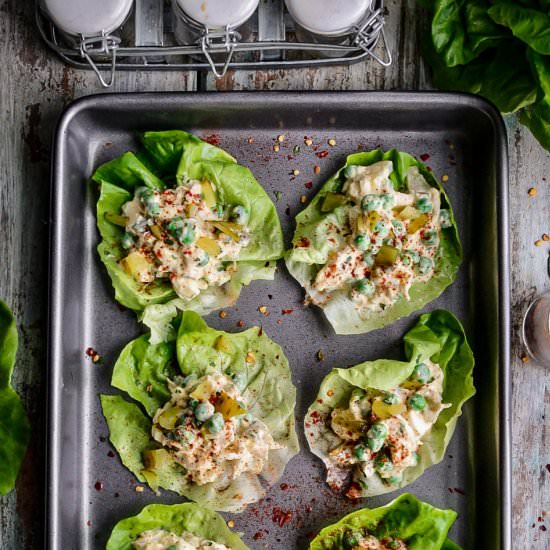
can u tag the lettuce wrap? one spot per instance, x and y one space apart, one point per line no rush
437 337
146 373
326 225
15 429
175 518
170 159
418 524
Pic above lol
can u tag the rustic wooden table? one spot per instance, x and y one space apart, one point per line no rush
34 88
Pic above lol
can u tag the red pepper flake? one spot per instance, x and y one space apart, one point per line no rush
98 485
304 242
286 311
284 486
240 323
542 527
424 157
308 184
459 491
354 491
428 168
281 517
110 454
93 355
89 523
321 154
213 139
287 210
548 467
257 536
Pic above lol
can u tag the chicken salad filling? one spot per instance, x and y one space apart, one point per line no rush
390 241
159 539
184 234
359 539
206 428
381 432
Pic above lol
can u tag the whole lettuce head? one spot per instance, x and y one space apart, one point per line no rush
15 429
304 262
420 525
437 336
177 519
166 160
142 371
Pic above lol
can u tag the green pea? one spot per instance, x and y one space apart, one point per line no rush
387 201
204 259
193 403
368 259
150 201
413 255
378 431
369 203
405 260
374 444
398 228
390 399
381 228
424 205
445 218
359 452
126 241
350 540
215 423
188 233
349 172
429 238
239 214
189 379
393 544
421 373
417 402
383 464
362 242
394 480
364 286
425 265
203 411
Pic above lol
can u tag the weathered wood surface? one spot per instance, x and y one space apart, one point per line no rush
34 87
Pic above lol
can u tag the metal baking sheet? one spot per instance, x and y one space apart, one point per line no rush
88 488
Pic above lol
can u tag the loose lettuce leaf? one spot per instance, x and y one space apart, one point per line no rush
304 262
420 525
177 156
462 29
529 25
438 336
176 518
14 426
141 371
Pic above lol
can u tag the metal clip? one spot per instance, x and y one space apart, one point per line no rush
212 41
367 38
104 44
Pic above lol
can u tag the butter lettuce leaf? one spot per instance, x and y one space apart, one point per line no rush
177 519
142 371
15 429
438 336
420 525
167 158
303 262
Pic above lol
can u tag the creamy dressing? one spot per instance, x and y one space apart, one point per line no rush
381 432
174 234
391 239
159 539
213 436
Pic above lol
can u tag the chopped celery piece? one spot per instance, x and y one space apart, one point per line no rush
228 406
208 194
156 230
332 201
387 255
116 219
229 228
169 418
382 410
210 246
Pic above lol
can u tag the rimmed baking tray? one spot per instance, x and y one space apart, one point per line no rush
460 136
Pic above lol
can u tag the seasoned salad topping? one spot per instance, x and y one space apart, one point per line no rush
381 432
390 241
207 429
359 539
182 234
159 539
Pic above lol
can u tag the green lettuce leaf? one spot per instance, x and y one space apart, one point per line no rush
304 262
176 518
529 25
438 336
420 525
15 429
177 156
142 370
462 29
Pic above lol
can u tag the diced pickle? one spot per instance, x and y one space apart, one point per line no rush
156 230
387 255
408 213
373 218
155 458
228 406
208 194
332 201
417 224
169 418
135 264
116 219
383 410
229 228
151 478
203 391
210 246
362 223
223 344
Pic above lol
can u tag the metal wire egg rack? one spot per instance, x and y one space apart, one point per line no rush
147 41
